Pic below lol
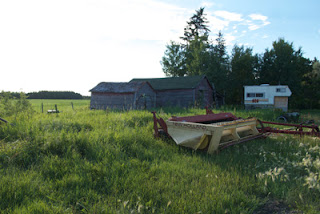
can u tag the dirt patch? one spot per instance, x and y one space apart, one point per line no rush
275 207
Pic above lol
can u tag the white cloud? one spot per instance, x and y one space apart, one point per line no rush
228 15
74 44
142 19
47 44
257 21
253 26
216 24
230 38
117 20
207 4
244 44
258 17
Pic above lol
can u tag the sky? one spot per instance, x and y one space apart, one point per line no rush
72 45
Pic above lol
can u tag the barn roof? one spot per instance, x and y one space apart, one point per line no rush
118 87
173 82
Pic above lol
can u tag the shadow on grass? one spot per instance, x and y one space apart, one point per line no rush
275 167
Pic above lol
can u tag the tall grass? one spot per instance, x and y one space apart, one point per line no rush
83 161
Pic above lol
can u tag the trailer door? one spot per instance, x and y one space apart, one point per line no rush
281 103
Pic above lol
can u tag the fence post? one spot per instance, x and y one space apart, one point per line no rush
42 107
72 105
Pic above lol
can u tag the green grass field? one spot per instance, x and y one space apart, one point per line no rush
94 161
63 105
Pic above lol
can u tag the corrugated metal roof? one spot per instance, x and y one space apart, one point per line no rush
172 82
118 87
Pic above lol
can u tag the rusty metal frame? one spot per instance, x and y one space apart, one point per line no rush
300 129
162 124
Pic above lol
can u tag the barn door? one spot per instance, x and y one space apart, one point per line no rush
281 102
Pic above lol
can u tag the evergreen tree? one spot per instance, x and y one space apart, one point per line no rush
191 57
197 57
218 64
243 64
279 64
310 88
286 66
196 27
174 60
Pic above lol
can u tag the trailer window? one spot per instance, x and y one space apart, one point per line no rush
281 89
255 94
259 94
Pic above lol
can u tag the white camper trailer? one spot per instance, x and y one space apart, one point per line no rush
267 96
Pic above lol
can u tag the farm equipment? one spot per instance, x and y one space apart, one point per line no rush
52 111
213 132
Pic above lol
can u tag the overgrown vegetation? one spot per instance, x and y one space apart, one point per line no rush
83 161
10 105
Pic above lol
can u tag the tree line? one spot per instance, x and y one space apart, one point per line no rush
45 95
55 95
196 54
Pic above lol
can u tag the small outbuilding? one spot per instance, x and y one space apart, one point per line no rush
181 91
267 96
123 95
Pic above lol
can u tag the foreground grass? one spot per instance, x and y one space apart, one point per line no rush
83 161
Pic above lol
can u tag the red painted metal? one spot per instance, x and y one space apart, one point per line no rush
294 125
208 111
206 118
300 129
162 128
273 130
155 124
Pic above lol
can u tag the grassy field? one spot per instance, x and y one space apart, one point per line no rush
63 105
90 161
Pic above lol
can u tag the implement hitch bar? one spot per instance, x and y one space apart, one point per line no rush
299 129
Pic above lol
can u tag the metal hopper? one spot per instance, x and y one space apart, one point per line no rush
207 132
211 131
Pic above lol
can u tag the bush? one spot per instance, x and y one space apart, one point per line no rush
9 105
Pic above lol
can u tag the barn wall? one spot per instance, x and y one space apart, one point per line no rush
111 100
204 93
145 97
178 97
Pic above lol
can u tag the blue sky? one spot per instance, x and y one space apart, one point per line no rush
75 44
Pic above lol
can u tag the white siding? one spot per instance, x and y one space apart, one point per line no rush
268 91
263 96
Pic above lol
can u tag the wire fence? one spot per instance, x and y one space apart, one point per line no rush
53 106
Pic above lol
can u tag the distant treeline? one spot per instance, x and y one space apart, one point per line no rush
54 95
48 95
10 94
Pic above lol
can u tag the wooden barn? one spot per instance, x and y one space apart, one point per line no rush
123 95
181 91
